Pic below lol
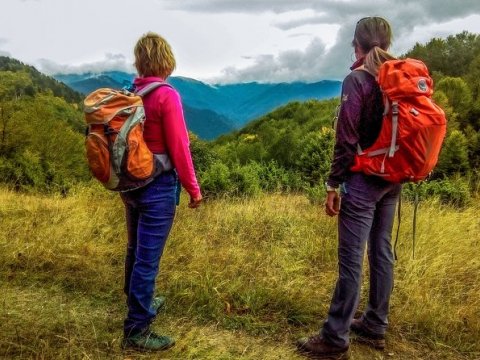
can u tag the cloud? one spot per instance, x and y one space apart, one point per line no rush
111 62
441 10
300 35
241 6
411 23
405 16
288 66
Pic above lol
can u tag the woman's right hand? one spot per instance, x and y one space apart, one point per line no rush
195 201
332 204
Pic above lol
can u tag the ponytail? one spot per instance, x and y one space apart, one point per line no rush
376 57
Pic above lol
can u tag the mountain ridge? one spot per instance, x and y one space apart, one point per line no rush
216 109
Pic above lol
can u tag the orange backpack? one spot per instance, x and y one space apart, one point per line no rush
117 154
413 127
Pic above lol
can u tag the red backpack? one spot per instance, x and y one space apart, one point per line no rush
413 127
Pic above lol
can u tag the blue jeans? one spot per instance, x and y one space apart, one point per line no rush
366 216
149 212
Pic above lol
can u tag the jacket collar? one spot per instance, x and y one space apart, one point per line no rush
357 63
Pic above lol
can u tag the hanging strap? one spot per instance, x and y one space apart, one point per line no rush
415 210
414 224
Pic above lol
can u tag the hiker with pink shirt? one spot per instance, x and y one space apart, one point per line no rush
150 210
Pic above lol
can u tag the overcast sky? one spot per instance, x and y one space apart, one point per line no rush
219 40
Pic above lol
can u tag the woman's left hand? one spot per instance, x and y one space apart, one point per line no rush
195 202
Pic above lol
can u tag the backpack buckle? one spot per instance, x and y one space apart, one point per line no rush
395 107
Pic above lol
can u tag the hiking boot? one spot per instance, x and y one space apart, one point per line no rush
315 347
158 304
366 336
147 340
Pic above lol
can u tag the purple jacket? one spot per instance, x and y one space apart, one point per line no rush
359 121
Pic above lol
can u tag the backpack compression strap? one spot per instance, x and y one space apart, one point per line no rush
393 142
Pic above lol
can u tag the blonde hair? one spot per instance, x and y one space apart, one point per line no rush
373 35
154 56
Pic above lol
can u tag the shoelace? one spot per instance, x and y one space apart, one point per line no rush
315 339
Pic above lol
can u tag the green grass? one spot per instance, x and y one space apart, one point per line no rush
243 279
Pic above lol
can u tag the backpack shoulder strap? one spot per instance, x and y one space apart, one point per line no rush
150 87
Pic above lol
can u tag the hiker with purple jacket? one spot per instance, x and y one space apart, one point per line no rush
367 208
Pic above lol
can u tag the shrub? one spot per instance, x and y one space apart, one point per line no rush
246 180
453 191
216 180
454 156
316 155
315 194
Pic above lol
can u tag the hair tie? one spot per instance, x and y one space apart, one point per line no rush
375 43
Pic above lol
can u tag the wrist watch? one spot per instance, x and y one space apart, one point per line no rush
330 188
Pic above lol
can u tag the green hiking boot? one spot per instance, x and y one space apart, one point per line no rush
147 341
158 303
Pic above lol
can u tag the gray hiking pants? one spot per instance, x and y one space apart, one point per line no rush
366 215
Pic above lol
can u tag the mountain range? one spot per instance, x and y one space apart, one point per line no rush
213 110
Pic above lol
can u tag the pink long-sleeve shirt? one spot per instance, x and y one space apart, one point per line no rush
165 131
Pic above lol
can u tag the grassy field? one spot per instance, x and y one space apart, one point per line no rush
243 279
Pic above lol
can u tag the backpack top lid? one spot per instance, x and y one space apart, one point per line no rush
405 78
103 104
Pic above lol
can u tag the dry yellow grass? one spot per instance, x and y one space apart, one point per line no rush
243 279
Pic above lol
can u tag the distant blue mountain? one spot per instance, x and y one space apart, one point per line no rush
212 110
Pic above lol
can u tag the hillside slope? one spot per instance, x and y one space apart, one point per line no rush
40 81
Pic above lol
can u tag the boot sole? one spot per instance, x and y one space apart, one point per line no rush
128 346
338 356
315 356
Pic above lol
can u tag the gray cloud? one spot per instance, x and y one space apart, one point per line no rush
112 62
241 6
409 21
430 9
292 65
410 13
300 35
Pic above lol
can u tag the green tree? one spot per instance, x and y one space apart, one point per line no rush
442 100
473 78
202 153
451 56
316 155
459 96
454 156
44 151
12 89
